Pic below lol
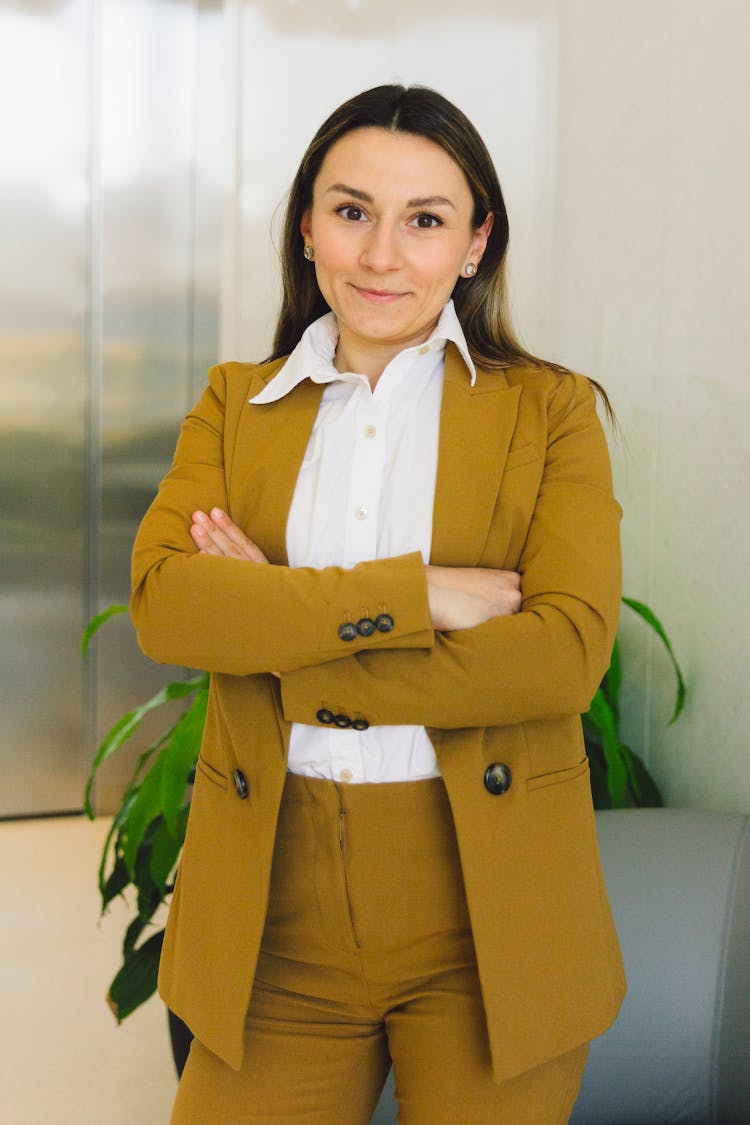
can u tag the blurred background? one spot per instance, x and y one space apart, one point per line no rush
146 149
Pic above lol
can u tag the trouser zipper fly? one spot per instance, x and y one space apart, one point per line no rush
345 874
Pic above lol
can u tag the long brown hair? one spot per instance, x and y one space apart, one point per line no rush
481 301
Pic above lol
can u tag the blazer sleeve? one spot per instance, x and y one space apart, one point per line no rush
233 616
543 662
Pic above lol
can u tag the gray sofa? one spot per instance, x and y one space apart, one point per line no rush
679 1054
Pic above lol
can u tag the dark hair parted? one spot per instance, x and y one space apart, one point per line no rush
480 302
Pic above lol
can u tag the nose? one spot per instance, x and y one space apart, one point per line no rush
381 250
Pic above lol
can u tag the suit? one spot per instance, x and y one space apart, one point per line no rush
523 483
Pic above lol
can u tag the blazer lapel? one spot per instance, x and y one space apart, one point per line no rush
476 427
270 446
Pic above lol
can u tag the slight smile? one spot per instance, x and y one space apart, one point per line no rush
379 296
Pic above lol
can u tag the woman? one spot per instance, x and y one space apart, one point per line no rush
396 551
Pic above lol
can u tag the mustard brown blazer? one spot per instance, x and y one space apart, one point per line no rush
523 483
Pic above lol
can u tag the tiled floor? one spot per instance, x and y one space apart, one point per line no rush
63 1059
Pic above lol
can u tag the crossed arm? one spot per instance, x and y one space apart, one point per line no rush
464 651
459 597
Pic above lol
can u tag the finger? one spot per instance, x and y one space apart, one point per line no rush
217 534
237 536
230 538
213 541
509 604
509 579
203 540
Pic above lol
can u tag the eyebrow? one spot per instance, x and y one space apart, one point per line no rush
420 201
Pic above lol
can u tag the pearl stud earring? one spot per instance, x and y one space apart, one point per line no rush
471 269
309 253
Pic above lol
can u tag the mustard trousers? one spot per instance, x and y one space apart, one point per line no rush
367 959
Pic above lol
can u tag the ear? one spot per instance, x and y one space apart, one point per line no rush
479 239
304 224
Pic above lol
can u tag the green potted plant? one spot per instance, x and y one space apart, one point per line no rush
145 838
144 842
619 778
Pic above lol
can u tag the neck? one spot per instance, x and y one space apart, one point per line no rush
371 362
371 357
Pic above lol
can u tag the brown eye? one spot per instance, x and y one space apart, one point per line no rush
425 221
350 212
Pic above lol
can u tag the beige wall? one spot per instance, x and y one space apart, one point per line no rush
620 133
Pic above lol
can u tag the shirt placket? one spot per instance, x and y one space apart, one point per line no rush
360 544
365 482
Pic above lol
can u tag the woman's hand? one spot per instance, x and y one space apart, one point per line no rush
461 597
214 533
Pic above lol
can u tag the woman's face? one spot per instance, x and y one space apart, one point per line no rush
391 227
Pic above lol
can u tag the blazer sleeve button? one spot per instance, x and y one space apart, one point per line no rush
365 627
384 622
347 631
497 779
360 724
342 721
240 784
324 715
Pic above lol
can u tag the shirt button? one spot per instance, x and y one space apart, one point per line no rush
346 775
361 513
424 349
370 431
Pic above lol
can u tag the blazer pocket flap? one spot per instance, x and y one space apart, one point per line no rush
212 773
557 777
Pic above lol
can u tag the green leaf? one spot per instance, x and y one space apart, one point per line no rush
116 883
116 826
591 733
133 932
119 824
136 980
598 775
146 807
181 756
150 897
163 787
166 849
653 621
603 718
128 723
643 788
613 679
96 623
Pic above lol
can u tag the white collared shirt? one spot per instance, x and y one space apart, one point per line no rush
366 490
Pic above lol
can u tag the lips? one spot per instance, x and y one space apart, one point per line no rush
378 296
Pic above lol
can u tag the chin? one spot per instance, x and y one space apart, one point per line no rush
383 333
382 319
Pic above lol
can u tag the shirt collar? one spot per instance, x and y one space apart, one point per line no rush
313 356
